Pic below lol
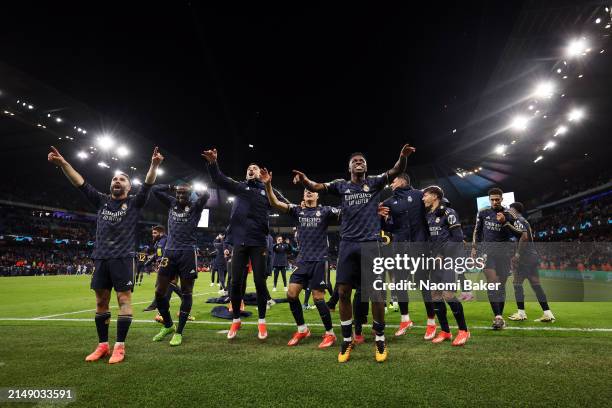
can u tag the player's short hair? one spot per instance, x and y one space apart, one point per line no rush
253 164
184 185
495 191
518 207
159 228
404 176
124 175
357 154
436 190
279 236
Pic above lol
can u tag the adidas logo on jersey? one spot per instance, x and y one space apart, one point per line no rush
322 283
347 191
129 283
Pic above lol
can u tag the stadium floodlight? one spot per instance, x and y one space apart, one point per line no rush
549 145
30 107
122 151
560 130
82 155
160 171
199 187
58 119
544 89
519 123
501 149
251 146
105 142
136 182
597 20
575 115
230 199
102 164
538 159
576 47
118 172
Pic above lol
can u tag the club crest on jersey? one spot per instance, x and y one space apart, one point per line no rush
263 193
437 219
124 206
186 209
366 187
318 213
409 199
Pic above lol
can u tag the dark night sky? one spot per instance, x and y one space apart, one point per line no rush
307 86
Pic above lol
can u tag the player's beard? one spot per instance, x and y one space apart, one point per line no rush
117 192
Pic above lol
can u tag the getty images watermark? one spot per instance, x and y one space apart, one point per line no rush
401 265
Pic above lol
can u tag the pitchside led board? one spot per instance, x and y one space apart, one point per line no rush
482 202
204 219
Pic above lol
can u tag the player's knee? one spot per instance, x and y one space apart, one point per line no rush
449 296
344 293
292 297
436 296
318 295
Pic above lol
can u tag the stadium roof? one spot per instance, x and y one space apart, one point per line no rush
305 89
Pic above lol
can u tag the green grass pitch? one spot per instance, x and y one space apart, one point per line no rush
528 364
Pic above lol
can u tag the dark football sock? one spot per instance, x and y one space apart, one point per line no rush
185 309
379 328
324 313
519 295
537 288
429 308
296 310
347 329
457 308
440 310
123 326
102 322
403 306
163 306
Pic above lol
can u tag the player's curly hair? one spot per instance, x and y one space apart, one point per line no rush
518 207
495 191
436 190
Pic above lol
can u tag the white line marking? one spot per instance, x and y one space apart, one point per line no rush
116 307
227 322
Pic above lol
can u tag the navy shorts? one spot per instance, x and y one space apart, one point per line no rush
499 262
117 273
311 274
441 275
348 269
527 268
181 263
220 267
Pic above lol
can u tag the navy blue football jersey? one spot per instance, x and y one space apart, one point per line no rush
444 228
488 229
312 223
182 219
359 206
116 221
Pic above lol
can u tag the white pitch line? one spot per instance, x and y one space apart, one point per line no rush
114 307
547 328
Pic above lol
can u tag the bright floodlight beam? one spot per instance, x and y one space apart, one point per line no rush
102 164
519 123
105 142
560 130
122 151
82 155
501 149
549 145
576 47
538 159
136 182
199 186
160 171
575 115
544 89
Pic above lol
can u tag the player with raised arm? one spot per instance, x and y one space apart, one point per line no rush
360 224
494 226
247 234
180 255
446 237
311 271
114 250
525 266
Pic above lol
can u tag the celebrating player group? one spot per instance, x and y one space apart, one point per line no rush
409 217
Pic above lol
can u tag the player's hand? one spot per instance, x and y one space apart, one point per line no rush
210 155
265 176
299 177
303 204
501 217
226 252
383 211
55 157
157 158
407 150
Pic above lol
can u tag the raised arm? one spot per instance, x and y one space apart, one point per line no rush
71 174
160 191
266 178
219 178
299 177
156 160
400 165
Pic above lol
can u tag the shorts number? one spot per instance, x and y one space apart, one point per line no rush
386 238
164 262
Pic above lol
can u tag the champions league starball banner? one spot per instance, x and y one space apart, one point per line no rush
567 271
